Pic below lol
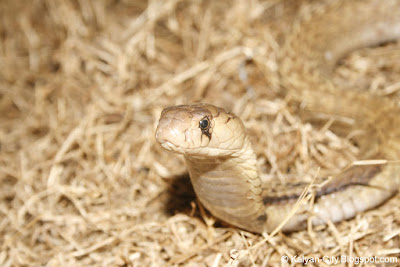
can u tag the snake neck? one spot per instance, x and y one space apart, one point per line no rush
229 187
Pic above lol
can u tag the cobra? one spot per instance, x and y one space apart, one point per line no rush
219 156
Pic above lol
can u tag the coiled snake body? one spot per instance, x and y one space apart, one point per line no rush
218 153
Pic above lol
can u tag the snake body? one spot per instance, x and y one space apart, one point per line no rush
218 153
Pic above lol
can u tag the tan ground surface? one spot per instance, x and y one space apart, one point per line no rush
82 180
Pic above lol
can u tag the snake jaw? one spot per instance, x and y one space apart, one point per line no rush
167 145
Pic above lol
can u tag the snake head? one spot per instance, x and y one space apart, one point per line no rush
200 130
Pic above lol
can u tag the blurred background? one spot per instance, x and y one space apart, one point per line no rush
82 84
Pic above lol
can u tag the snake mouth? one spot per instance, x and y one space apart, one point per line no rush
170 142
168 146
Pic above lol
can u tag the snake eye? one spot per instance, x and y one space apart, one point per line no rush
204 124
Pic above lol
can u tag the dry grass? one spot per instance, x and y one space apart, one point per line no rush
82 180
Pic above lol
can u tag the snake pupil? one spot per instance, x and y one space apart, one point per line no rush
204 123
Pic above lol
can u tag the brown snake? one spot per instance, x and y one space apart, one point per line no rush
218 153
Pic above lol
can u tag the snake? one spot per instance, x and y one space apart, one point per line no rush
218 153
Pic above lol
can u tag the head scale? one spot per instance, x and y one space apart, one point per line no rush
200 130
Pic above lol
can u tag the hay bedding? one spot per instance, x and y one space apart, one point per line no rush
82 180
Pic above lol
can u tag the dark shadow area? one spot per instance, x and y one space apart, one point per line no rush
180 194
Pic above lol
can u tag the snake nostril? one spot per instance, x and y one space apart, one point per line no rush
262 218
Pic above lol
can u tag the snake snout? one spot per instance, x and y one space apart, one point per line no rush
171 130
